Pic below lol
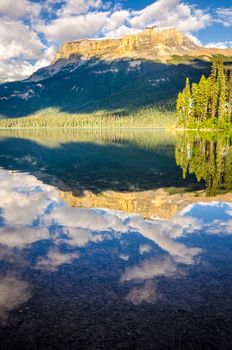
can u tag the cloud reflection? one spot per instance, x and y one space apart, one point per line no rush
32 212
13 292
55 259
146 293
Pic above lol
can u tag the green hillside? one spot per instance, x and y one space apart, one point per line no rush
116 87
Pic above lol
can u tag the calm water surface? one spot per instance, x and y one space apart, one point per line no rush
115 240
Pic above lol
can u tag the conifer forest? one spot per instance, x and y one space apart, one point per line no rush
207 104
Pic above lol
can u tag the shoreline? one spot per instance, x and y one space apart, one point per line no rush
112 128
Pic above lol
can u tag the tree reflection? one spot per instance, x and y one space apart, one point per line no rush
209 157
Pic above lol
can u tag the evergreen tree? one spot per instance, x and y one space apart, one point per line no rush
214 88
187 101
209 102
229 99
180 109
221 94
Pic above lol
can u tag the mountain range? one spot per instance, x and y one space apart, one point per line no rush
91 75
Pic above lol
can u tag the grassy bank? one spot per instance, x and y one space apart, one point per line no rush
52 118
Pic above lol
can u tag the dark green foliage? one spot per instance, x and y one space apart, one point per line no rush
209 157
96 85
208 103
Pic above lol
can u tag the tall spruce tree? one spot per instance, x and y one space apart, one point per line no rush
221 112
187 101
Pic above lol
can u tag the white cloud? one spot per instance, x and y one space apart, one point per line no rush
17 69
194 39
171 13
77 7
220 44
116 20
18 40
18 9
69 28
224 16
11 70
121 31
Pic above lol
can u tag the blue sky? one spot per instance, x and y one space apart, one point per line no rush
214 33
32 30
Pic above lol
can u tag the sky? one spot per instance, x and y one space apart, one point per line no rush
32 30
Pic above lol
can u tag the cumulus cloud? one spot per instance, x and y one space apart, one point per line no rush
19 68
220 44
224 16
19 8
70 28
17 40
171 13
75 22
77 7
194 39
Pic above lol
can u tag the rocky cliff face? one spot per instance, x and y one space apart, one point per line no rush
149 204
152 43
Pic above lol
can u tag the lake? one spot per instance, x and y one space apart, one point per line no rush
115 239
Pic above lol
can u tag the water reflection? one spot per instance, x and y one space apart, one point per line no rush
135 171
39 231
96 161
77 273
209 157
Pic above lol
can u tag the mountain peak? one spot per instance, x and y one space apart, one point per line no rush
152 43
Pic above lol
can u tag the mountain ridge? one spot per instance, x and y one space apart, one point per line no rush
152 43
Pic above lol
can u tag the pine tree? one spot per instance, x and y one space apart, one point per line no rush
214 88
221 94
210 99
187 101
229 100
179 109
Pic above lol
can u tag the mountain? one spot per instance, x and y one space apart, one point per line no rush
150 204
151 44
147 68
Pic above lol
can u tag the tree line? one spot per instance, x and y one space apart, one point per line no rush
207 104
51 118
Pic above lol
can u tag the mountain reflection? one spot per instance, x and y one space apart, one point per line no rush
136 171
97 161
